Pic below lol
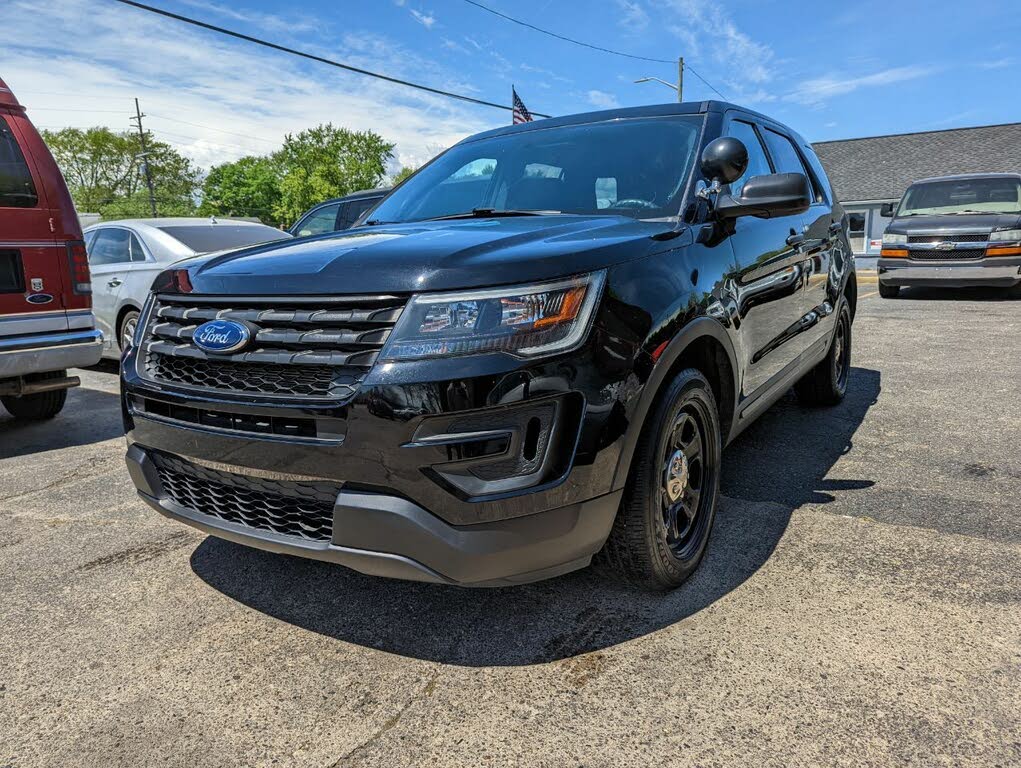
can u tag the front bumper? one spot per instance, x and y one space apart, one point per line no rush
997 271
383 535
39 353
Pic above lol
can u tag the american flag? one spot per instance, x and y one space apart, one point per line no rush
521 113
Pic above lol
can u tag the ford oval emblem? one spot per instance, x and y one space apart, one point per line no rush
221 337
39 298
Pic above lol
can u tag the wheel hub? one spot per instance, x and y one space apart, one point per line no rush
676 476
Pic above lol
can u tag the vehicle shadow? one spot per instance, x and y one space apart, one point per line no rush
783 458
90 416
970 294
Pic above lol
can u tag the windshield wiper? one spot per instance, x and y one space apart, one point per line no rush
968 212
491 213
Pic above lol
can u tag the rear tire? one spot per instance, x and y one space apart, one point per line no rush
888 291
665 518
40 406
127 330
826 384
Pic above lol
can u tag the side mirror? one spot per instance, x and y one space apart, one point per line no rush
724 160
886 210
777 194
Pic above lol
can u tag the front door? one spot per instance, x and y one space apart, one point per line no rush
110 262
768 276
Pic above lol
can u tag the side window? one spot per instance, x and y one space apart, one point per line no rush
349 212
111 246
318 222
17 189
135 248
758 163
787 160
825 191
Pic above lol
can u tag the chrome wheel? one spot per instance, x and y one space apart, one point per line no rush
128 330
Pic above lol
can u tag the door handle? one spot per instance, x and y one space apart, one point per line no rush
115 282
795 240
836 227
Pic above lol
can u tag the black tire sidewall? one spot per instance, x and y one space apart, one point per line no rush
688 386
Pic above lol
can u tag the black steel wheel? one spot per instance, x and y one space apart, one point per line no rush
663 526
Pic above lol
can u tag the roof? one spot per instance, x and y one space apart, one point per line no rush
359 195
180 221
882 167
7 97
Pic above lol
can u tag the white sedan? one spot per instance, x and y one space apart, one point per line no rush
126 256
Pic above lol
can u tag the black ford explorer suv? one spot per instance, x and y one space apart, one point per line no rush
532 354
954 232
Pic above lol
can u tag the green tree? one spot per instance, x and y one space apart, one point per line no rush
402 174
324 162
246 187
105 173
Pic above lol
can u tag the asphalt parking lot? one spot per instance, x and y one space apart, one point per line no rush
860 603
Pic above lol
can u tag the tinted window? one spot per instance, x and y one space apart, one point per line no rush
11 278
322 220
822 181
111 246
785 157
135 249
351 211
556 169
16 187
203 238
758 164
988 195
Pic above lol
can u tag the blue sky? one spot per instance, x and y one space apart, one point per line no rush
831 70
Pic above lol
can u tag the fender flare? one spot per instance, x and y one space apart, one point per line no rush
696 329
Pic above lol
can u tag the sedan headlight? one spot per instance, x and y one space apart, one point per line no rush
890 238
525 321
1005 235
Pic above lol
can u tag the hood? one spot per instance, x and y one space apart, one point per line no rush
428 256
952 224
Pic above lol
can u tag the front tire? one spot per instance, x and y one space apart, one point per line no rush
888 291
826 384
663 525
40 406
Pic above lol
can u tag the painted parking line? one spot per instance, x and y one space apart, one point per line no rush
866 295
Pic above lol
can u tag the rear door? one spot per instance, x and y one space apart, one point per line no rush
351 211
32 262
769 273
110 259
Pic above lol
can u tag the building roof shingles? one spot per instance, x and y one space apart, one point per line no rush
882 167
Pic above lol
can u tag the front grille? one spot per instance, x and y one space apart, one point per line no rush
954 255
304 348
292 508
979 237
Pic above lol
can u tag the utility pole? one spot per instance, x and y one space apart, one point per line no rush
145 159
678 86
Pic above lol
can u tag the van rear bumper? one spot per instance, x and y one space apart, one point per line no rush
39 353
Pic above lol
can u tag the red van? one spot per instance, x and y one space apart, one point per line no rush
46 322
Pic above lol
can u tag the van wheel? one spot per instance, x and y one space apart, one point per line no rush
826 384
40 406
888 291
663 524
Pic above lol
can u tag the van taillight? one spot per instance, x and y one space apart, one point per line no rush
81 279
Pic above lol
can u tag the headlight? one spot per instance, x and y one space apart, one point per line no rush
889 238
1005 235
525 321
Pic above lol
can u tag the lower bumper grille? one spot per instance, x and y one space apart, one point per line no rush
954 255
292 508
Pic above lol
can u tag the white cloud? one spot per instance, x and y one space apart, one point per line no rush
216 99
633 17
425 19
995 63
602 99
293 25
818 90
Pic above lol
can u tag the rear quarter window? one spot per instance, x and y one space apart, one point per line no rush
822 181
17 190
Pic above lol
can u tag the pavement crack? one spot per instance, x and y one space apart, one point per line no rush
82 471
390 723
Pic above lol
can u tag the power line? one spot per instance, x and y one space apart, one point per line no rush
211 128
313 57
588 45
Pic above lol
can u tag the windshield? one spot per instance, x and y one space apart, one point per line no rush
204 238
989 195
625 167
